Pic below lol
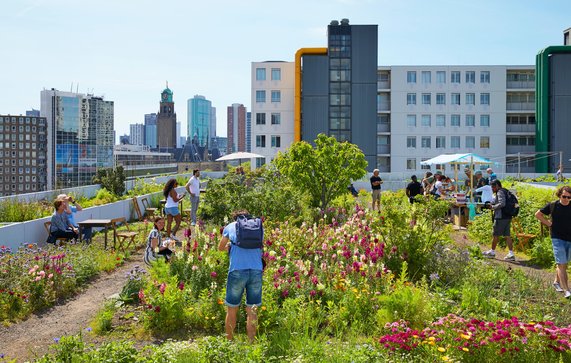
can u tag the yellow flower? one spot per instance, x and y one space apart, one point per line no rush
431 338
466 336
415 336
465 349
263 308
441 350
445 358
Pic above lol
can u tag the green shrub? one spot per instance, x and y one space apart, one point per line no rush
102 323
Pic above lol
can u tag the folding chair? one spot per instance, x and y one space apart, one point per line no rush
123 236
149 211
522 237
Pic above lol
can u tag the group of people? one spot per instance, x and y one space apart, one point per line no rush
63 224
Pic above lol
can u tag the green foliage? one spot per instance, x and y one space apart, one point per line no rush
323 172
144 187
542 252
102 323
13 210
111 179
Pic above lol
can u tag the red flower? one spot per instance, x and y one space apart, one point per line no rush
157 309
181 285
213 274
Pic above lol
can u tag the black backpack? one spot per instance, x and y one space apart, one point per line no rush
249 232
511 209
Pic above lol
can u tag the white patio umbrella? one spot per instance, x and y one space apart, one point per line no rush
239 156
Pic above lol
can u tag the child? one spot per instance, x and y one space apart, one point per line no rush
60 225
155 240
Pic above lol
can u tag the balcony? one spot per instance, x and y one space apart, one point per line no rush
383 149
520 106
383 127
530 128
514 149
383 84
520 84
384 106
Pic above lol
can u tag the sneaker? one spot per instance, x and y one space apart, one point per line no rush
510 257
567 294
557 287
193 224
174 238
489 254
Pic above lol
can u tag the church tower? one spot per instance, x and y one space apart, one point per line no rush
166 121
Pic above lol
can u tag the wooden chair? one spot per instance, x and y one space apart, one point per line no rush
137 209
47 226
522 237
123 236
149 211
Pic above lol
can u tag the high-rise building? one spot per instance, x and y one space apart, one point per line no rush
178 143
166 121
236 122
212 132
272 117
151 130
137 134
199 125
22 154
33 113
249 131
80 137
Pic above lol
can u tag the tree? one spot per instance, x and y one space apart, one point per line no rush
324 171
111 179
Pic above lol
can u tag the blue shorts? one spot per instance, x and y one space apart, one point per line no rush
561 250
238 280
173 211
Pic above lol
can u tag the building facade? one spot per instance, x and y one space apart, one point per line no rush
272 116
137 134
80 137
22 154
199 121
166 121
236 123
151 130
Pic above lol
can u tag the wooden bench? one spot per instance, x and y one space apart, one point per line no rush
522 237
47 226
123 236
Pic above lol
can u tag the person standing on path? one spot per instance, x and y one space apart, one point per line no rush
193 188
244 273
502 223
376 182
171 207
560 226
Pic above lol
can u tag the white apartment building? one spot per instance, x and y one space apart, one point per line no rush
425 111
137 134
272 108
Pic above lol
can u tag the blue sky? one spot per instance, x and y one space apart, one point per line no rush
125 50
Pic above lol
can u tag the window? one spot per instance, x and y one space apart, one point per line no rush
484 142
411 142
411 120
425 120
484 98
260 118
485 77
440 77
470 77
260 74
440 142
411 77
455 77
440 98
276 96
470 142
455 141
425 142
454 120
276 118
440 120
411 99
470 120
260 140
455 98
470 98
260 96
276 141
276 74
485 120
426 99
427 167
426 77
411 164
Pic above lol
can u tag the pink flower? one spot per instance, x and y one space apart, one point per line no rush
162 288
181 285
194 267
157 309
213 274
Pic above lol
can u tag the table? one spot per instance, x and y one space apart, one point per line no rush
105 223
462 217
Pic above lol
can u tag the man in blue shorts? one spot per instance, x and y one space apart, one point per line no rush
244 273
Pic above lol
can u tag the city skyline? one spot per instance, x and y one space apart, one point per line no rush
126 51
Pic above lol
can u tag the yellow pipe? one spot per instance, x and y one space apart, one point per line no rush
297 91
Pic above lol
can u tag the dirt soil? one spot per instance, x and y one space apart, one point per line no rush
32 338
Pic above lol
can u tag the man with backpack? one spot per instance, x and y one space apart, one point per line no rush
243 239
504 210
560 226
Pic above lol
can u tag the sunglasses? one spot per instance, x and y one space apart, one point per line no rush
566 196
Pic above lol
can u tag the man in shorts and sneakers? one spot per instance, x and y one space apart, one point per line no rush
502 224
560 226
376 182
244 273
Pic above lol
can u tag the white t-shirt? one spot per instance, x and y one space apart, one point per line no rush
487 193
438 187
194 185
